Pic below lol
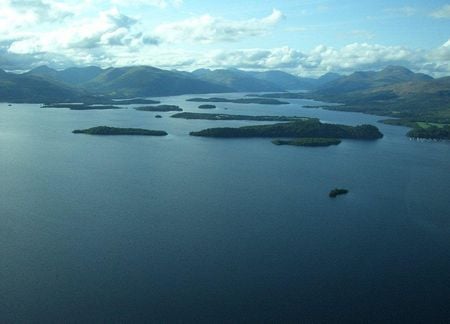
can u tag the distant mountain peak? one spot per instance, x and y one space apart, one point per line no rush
396 68
43 69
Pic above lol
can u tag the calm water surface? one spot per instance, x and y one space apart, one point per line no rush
186 229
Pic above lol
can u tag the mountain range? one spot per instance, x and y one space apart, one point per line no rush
393 91
44 84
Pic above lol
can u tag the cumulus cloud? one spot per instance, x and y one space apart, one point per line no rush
443 52
209 29
108 28
41 9
443 12
360 56
322 59
23 62
115 38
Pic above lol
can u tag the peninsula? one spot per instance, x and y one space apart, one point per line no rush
426 130
106 130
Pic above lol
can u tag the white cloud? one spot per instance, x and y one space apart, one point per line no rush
115 38
208 29
48 10
443 12
277 58
359 56
320 60
108 28
441 54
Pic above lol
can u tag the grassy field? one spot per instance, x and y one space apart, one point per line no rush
428 125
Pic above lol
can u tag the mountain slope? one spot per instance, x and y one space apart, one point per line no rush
29 88
75 76
141 81
363 80
327 77
394 91
238 81
285 80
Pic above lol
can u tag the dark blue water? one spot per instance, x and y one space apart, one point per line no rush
185 229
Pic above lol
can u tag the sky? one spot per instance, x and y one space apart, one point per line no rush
303 37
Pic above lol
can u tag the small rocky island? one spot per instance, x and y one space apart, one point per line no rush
308 141
106 130
206 106
336 192
160 108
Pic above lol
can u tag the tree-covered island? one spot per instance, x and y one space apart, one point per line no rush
160 108
207 106
106 130
307 141
257 100
95 103
207 116
80 106
312 128
336 192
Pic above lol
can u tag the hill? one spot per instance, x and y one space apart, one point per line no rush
142 81
394 91
74 76
236 80
35 89
363 80
285 80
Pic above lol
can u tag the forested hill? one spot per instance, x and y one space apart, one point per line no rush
392 91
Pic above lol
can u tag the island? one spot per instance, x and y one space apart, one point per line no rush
136 101
106 130
206 106
80 106
336 192
158 116
206 116
311 128
258 100
160 108
308 141
87 103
